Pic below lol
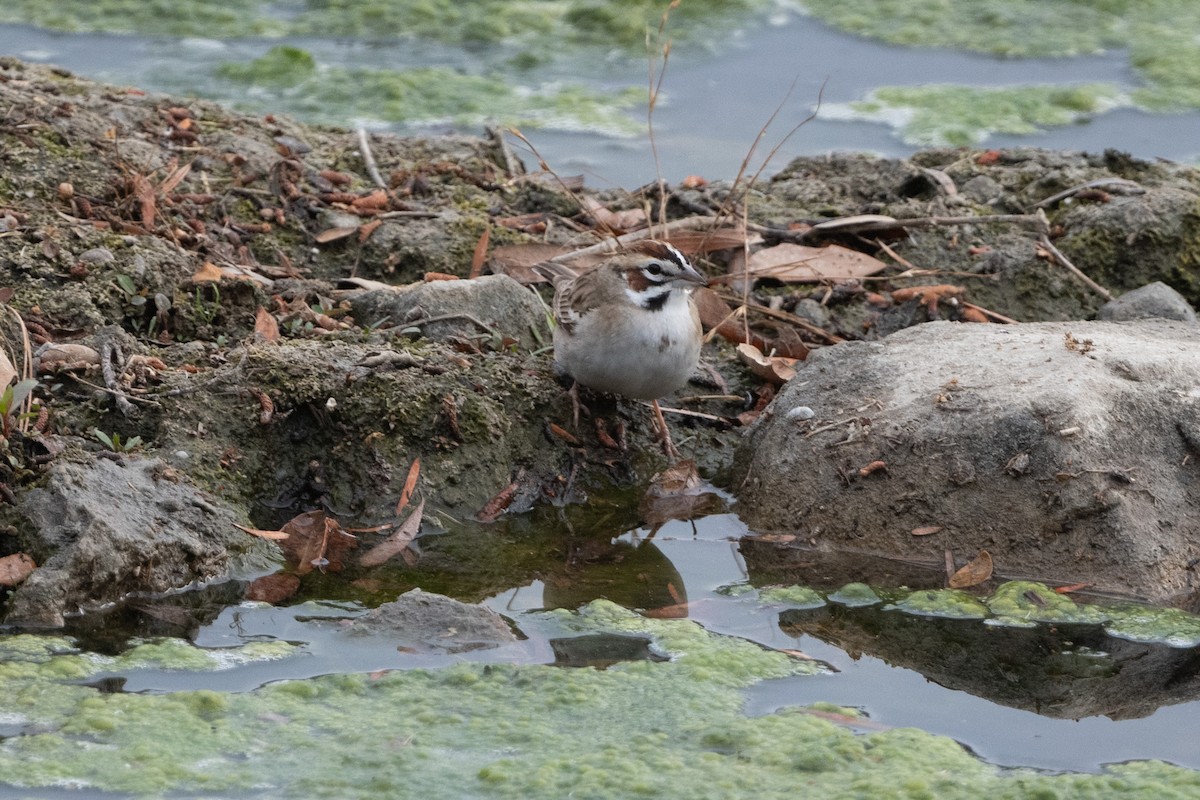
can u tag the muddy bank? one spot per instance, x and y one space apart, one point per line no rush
203 288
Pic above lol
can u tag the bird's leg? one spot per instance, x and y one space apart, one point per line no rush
664 433
573 393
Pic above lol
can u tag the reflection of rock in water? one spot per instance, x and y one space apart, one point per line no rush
602 650
634 576
1066 672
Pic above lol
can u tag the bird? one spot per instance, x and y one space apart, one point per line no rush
628 326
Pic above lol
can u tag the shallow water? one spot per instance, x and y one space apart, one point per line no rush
715 102
701 562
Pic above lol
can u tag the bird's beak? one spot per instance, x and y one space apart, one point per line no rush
691 275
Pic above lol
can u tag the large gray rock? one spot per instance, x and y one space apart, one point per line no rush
106 531
1068 451
1147 302
457 308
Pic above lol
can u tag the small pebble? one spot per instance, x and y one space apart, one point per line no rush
801 412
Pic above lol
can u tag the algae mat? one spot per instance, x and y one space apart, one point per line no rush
670 728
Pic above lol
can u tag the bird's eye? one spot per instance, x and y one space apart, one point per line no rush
654 268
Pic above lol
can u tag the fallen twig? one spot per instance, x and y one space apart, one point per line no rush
364 149
881 223
1126 187
1057 255
990 314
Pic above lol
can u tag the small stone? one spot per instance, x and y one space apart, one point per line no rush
801 413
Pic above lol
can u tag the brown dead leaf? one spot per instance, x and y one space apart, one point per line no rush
209 273
527 223
480 255
562 433
976 571
273 589
718 315
928 530
397 542
496 506
367 228
334 234
929 296
1074 587
376 200
266 329
315 540
615 221
796 263
693 243
15 568
776 369
410 484
174 179
144 193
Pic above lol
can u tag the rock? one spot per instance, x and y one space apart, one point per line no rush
434 623
1152 300
1136 239
1068 451
103 531
497 301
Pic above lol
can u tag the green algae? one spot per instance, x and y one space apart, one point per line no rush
291 80
1169 626
855 595
937 115
801 597
1026 601
944 603
538 24
1162 37
672 728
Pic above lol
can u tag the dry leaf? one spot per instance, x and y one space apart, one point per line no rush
776 369
480 254
209 273
266 329
398 541
15 568
315 540
367 228
375 200
615 221
410 483
1074 587
174 179
794 263
976 571
334 234
926 531
144 192
693 243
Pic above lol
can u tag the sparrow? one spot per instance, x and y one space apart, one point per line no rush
628 326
